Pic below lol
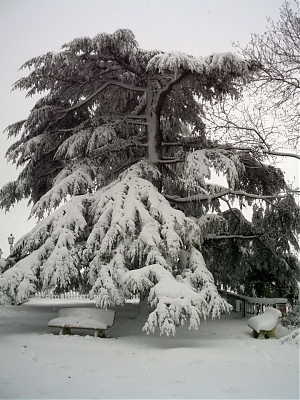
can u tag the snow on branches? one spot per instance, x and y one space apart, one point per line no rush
174 300
176 61
86 141
71 181
134 226
134 246
46 256
200 163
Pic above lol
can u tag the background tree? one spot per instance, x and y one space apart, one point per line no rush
264 122
278 51
266 119
117 165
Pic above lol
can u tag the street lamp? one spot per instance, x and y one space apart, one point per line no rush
10 242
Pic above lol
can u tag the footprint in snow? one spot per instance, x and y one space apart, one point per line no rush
30 356
231 390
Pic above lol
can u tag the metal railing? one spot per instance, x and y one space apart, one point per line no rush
71 295
244 305
249 306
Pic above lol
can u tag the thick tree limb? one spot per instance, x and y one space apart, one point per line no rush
220 237
124 64
168 89
108 149
122 167
184 143
282 154
104 86
174 161
209 197
270 152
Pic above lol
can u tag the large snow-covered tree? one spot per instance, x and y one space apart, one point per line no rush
118 167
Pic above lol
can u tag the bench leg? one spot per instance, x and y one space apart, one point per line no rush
65 331
272 333
255 334
99 333
269 334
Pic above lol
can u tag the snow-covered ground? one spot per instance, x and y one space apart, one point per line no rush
219 361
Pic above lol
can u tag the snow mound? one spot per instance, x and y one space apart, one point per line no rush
292 338
266 321
88 318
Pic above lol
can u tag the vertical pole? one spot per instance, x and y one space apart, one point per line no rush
11 243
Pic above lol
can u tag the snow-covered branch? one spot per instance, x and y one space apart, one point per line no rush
177 301
209 197
221 237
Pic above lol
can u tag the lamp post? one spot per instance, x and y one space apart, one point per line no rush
10 242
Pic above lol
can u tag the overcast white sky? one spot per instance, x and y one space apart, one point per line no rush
30 28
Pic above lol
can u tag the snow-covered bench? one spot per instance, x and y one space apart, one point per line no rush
265 323
83 318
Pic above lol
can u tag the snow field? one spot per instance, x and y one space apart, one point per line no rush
219 361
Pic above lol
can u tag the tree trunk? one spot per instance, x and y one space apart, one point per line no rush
144 309
154 132
154 136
